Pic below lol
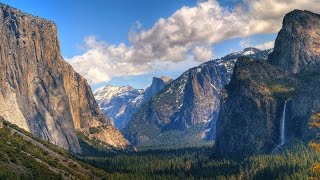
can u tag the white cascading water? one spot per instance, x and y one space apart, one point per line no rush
283 121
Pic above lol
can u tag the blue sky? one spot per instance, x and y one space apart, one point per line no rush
110 20
101 28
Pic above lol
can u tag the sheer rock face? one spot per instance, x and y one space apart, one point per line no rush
157 85
39 91
249 117
251 111
85 111
297 46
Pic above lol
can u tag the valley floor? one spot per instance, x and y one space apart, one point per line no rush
24 157
198 163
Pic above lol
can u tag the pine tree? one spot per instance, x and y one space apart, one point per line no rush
315 123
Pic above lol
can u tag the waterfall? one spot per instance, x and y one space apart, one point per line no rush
282 128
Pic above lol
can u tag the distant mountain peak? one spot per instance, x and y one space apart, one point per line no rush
250 50
106 93
121 102
157 85
166 79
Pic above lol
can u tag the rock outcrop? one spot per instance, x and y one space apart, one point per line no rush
156 86
297 46
39 91
253 106
184 113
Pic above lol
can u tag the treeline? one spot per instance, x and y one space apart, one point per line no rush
198 163
19 159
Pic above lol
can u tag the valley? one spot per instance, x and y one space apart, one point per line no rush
187 163
251 114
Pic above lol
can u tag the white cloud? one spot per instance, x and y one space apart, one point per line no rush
101 62
189 31
247 42
266 45
202 53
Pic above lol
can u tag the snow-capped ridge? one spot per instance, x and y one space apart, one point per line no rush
121 102
108 92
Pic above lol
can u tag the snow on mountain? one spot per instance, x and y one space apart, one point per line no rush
189 105
121 102
106 93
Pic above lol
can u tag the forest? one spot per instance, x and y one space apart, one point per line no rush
20 159
200 163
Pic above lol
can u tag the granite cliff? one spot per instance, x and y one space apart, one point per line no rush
39 91
266 99
249 114
156 86
297 46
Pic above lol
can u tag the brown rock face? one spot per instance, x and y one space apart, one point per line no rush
84 110
250 115
39 91
109 136
297 46
267 105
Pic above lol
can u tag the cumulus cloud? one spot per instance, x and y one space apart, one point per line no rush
247 42
266 45
101 62
202 53
190 31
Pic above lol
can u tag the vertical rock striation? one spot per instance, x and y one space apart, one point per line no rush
39 91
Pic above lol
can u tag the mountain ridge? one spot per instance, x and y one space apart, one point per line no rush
121 102
188 106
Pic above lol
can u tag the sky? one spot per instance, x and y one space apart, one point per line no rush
127 42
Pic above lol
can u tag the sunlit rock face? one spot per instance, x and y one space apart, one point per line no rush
39 91
297 46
